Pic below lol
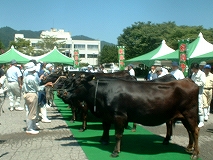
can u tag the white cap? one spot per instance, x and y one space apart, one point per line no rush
30 66
48 66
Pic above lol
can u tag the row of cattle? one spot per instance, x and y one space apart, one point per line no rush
117 98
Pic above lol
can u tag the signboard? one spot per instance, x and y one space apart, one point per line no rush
76 59
183 57
121 57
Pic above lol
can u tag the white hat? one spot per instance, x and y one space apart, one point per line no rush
203 63
89 66
48 66
157 63
30 66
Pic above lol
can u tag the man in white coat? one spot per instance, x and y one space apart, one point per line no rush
199 78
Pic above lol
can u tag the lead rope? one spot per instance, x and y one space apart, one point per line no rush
96 89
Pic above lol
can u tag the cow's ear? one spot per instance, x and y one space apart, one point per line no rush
90 77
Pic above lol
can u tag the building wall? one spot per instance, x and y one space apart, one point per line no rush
88 49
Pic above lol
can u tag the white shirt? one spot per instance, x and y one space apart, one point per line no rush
132 72
30 84
161 75
177 74
13 73
165 71
199 78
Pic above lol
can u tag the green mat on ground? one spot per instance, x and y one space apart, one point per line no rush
138 145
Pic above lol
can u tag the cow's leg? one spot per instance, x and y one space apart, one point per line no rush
120 122
193 131
105 137
84 108
168 132
134 127
73 108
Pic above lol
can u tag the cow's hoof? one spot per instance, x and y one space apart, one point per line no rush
82 129
165 142
133 130
72 121
114 154
189 150
194 156
103 142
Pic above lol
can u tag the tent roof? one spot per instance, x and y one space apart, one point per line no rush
13 54
198 50
55 56
150 57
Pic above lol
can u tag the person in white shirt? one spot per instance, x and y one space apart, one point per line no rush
131 70
89 69
178 74
159 72
14 78
199 78
207 91
158 64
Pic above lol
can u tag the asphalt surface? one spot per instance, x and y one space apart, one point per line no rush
55 141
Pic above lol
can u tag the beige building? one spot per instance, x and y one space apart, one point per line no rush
88 49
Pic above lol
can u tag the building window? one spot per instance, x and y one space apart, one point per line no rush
68 46
92 56
33 44
81 55
79 46
92 47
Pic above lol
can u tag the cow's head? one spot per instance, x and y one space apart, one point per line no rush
80 86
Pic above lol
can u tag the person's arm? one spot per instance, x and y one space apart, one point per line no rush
20 82
202 80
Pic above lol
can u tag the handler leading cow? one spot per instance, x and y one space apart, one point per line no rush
145 103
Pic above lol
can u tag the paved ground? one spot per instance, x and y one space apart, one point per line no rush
55 141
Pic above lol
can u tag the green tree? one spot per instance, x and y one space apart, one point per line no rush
142 37
108 54
22 46
47 43
1 47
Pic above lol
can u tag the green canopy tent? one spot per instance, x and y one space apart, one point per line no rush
198 50
55 56
13 54
149 58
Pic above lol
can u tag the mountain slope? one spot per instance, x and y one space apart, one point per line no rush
7 34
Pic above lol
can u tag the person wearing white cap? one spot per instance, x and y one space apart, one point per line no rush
30 89
201 65
14 78
207 91
89 68
43 102
158 64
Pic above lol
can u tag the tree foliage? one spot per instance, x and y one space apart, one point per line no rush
47 43
141 38
22 46
108 54
1 47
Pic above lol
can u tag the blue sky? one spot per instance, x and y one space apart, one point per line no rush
99 19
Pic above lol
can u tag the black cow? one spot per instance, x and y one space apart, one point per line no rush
75 104
146 103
